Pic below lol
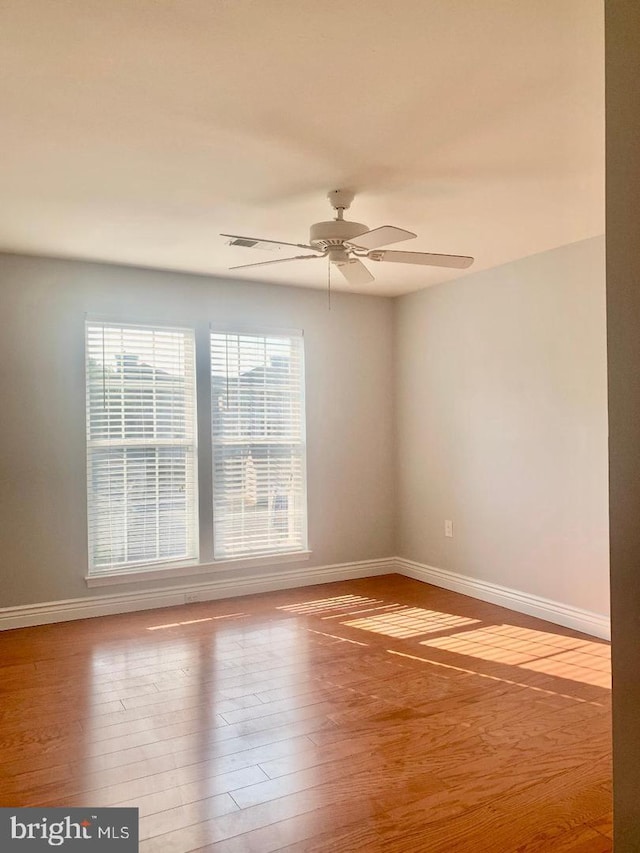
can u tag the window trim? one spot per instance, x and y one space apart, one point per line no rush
155 572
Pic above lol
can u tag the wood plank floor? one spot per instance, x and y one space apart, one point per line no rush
377 714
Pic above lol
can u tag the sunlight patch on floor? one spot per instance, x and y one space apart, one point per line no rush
410 622
327 605
335 637
195 621
538 651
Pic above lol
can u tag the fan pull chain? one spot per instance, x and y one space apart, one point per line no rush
329 282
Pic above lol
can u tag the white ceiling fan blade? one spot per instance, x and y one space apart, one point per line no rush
255 242
277 261
381 237
355 272
459 262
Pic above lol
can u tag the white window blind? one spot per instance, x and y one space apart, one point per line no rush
141 445
259 490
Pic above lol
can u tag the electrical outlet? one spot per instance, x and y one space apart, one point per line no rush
191 598
448 528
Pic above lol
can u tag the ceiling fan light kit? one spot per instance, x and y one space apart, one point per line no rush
344 243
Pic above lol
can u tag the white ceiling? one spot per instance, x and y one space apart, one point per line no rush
136 130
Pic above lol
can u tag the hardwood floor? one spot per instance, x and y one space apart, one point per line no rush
370 715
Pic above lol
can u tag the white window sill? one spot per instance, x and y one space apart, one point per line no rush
174 570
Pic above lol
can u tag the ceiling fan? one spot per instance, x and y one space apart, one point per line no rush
344 243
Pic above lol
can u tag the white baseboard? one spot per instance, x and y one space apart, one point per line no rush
248 583
595 624
225 587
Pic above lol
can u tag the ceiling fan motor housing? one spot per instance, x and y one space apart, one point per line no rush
334 232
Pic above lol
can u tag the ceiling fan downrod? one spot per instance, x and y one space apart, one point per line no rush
340 201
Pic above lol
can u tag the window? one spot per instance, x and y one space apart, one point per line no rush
259 493
142 457
141 446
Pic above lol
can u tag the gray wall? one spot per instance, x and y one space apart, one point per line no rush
497 382
43 303
623 318
502 426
